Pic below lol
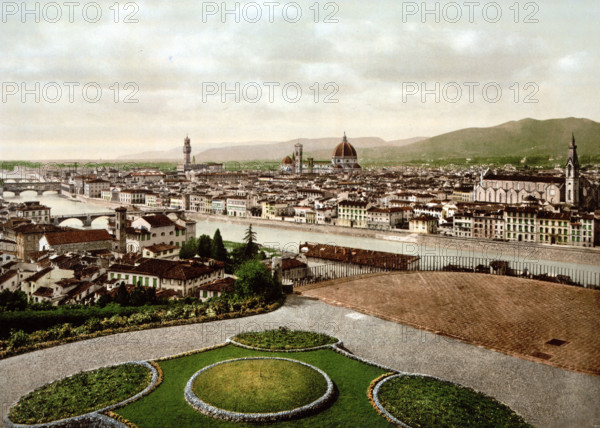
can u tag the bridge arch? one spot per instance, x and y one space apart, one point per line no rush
72 222
101 220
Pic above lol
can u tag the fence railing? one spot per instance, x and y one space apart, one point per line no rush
523 269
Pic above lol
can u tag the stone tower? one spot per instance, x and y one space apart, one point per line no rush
120 225
187 150
298 158
572 175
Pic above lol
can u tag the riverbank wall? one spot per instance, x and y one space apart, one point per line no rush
424 245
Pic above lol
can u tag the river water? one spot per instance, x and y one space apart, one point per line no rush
277 238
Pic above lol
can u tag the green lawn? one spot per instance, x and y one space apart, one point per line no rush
166 405
81 394
259 386
284 339
427 402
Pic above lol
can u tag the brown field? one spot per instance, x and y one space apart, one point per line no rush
515 316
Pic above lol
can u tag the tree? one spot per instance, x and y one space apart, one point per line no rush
13 300
205 245
219 252
188 249
138 296
122 297
251 248
254 279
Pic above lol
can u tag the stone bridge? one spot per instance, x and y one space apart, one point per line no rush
22 186
87 219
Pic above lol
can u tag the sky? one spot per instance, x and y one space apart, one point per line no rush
97 80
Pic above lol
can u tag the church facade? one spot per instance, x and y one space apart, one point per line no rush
571 189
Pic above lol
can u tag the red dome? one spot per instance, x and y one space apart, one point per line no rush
344 150
287 160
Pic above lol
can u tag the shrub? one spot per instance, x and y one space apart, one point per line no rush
17 339
139 318
115 321
93 324
66 330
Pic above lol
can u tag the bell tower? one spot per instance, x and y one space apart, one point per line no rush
120 225
572 175
187 150
298 158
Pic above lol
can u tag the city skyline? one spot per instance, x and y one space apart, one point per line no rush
178 63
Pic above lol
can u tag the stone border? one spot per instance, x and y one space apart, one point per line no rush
383 411
230 340
94 418
215 412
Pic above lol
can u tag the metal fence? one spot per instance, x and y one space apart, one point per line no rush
523 269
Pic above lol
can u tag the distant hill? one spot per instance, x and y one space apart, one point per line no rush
523 138
527 137
320 148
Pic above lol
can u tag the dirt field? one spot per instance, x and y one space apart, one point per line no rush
539 321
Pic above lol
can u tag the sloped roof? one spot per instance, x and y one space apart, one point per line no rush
77 236
158 220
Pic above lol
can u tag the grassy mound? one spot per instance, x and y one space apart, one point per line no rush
284 339
81 394
427 402
259 386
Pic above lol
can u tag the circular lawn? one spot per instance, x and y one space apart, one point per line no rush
423 401
81 393
262 385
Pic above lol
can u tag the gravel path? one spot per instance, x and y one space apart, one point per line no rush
543 395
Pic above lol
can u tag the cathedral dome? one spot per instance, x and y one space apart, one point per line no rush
287 160
344 150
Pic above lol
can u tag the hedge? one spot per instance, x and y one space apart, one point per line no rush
30 321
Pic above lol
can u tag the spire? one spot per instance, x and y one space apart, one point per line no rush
573 141
345 139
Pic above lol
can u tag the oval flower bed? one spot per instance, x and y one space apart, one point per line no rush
425 401
283 339
81 393
259 389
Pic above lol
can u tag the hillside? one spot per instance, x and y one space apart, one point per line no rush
320 148
524 138
527 137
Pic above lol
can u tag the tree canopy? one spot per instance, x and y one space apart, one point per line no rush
254 278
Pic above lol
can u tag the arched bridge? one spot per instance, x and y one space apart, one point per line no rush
22 186
86 219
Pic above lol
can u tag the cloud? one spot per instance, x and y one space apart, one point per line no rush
172 52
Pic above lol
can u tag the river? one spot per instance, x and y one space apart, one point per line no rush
284 239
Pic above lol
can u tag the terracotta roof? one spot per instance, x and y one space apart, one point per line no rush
287 264
169 269
158 220
348 203
530 178
44 292
424 217
38 275
77 236
221 285
7 275
344 149
287 160
357 256
165 293
157 248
